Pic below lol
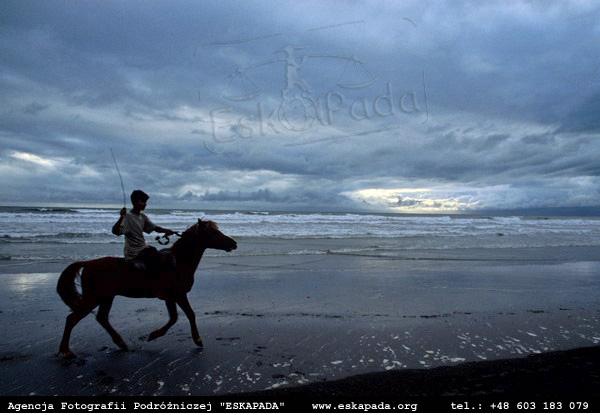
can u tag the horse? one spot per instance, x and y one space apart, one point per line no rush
104 278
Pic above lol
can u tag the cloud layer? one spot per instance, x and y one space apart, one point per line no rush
401 106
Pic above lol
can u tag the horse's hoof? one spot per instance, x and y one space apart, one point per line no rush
123 347
67 355
198 341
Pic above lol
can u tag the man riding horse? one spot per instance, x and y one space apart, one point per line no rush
104 278
133 224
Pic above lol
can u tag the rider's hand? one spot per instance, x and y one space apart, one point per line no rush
123 212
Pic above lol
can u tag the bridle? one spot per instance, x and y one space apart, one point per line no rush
164 239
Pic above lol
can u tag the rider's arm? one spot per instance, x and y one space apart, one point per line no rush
116 229
150 227
166 231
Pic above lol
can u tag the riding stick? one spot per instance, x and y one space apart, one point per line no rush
120 178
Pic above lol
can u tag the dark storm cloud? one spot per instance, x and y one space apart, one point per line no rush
34 108
300 104
584 117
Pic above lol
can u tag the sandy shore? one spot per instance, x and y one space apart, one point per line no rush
551 376
271 322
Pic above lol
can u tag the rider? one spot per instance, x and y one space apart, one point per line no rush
133 224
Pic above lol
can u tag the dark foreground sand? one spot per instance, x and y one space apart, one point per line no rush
273 322
550 376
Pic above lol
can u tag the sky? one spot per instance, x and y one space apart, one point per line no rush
409 106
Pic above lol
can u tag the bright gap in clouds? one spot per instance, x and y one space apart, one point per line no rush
32 158
411 200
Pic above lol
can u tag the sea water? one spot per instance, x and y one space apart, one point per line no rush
71 233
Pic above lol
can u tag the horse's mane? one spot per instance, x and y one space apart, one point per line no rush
212 225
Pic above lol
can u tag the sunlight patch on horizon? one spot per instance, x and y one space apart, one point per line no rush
410 200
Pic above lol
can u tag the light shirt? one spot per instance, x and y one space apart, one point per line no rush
132 227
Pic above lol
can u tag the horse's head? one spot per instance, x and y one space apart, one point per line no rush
208 234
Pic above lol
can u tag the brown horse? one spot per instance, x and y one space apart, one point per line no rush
104 278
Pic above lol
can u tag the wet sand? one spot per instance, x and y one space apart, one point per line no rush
271 322
551 376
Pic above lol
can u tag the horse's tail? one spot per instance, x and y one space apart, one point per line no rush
66 285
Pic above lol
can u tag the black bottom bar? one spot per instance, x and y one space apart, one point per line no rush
199 404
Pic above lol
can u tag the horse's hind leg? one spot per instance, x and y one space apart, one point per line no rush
72 320
172 309
187 309
102 318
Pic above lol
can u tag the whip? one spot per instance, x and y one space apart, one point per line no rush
120 178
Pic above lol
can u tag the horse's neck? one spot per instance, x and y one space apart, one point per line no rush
194 261
189 257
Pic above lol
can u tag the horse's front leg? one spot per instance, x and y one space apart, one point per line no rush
172 309
102 318
183 302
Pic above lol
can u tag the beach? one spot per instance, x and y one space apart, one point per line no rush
337 307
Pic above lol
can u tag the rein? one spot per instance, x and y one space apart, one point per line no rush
164 239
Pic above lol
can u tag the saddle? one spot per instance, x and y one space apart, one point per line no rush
152 262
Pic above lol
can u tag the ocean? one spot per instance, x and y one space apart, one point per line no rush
74 233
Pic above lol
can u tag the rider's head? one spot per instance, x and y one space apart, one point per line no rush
139 199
